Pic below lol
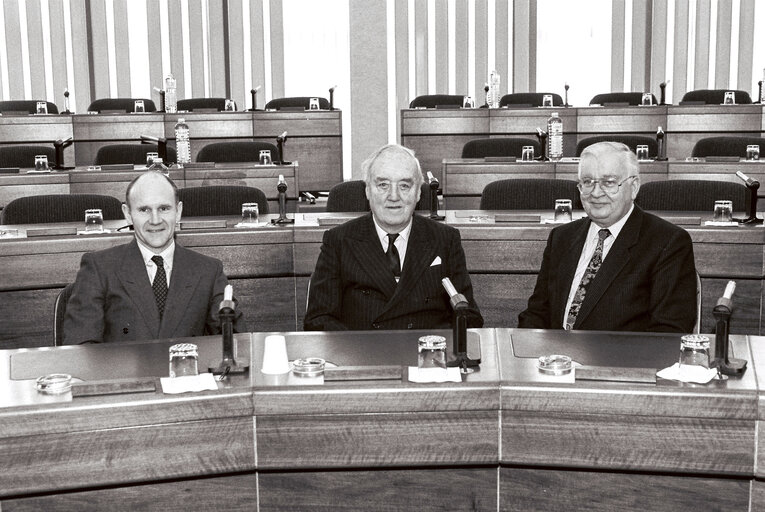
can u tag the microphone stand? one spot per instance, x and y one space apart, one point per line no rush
459 332
433 183
280 140
542 136
253 98
161 146
66 102
565 93
722 312
282 188
226 314
59 146
751 214
162 105
663 87
759 92
662 148
332 98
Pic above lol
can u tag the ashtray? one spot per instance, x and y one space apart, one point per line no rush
554 365
54 384
308 367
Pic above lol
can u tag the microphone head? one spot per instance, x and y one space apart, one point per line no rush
66 93
283 136
332 89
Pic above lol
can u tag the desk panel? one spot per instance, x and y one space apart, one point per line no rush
13 186
92 131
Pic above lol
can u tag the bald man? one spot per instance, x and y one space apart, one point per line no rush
150 288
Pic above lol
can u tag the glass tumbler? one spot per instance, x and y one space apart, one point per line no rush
723 211
431 352
642 152
42 107
694 350
265 157
313 104
41 163
647 99
753 152
729 98
563 210
527 154
249 213
138 106
547 100
94 220
183 360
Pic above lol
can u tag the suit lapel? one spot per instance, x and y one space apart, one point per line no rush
572 252
371 257
132 274
183 282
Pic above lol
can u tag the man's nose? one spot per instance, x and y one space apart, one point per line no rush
155 217
394 194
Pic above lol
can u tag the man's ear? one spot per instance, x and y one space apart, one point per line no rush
179 210
126 213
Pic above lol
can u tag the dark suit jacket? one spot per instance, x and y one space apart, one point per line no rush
112 299
353 288
646 283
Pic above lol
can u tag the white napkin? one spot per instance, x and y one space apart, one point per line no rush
189 383
434 374
688 373
720 223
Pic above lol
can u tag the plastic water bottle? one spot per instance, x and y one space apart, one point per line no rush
493 99
182 142
554 137
159 166
171 98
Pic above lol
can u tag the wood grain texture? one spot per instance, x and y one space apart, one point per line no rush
544 490
422 490
379 440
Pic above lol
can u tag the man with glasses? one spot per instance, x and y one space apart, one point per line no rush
618 269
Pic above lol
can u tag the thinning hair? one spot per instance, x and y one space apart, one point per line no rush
157 173
622 151
392 149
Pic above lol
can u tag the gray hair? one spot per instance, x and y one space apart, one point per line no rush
366 166
628 158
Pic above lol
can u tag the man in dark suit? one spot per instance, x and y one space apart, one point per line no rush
384 269
151 287
618 269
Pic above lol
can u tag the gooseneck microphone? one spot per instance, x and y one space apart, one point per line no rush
280 140
565 92
161 92
254 98
661 153
281 187
663 87
332 97
752 185
59 146
66 102
461 309
542 136
722 313
226 315
433 188
161 146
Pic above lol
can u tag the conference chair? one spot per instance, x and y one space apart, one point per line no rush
691 195
120 104
528 194
59 208
437 100
237 151
296 102
193 104
220 200
629 98
134 154
506 146
24 156
59 312
350 196
528 99
631 141
714 97
727 146
28 106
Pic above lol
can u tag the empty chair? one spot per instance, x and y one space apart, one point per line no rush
715 96
437 100
530 99
727 146
59 208
631 141
134 154
59 312
120 104
528 194
24 156
350 196
629 98
193 104
506 146
28 106
238 151
220 200
691 195
296 102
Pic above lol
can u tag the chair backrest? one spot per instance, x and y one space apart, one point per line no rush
296 102
220 200
630 98
192 104
435 100
59 208
505 146
715 96
24 156
122 104
631 141
59 312
691 195
238 151
29 106
726 146
129 154
528 194
350 196
531 99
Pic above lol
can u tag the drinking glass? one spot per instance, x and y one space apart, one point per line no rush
42 107
723 211
183 360
753 152
730 98
547 100
41 163
138 106
313 104
694 350
563 210
431 352
647 99
94 220
642 152
265 157
249 213
229 106
467 102
527 154
150 157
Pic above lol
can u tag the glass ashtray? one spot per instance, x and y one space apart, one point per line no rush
554 365
54 384
308 367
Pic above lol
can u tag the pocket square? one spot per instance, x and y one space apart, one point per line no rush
436 261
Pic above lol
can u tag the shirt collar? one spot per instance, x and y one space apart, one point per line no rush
167 254
383 235
616 227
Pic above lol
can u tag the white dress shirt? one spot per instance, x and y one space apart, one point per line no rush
151 267
401 242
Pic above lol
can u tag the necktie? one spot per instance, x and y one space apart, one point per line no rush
394 262
160 284
589 275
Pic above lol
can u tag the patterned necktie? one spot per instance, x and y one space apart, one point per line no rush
589 275
160 284
394 262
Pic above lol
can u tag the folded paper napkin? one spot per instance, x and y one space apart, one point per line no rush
189 383
721 223
434 374
688 373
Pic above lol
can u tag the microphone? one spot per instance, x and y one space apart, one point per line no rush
456 299
661 147
310 197
66 102
59 146
752 185
486 91
281 186
161 145
253 97
542 136
565 99
280 140
332 97
161 92
663 87
722 313
226 314
433 183
459 331
282 137
759 92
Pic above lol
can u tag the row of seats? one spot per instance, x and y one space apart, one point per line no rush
534 99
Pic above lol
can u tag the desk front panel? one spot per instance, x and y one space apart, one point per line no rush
13 186
686 125
93 131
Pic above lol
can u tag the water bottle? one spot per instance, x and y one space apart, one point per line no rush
182 142
171 99
159 166
554 137
493 99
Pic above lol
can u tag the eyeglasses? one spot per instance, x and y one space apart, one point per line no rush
609 186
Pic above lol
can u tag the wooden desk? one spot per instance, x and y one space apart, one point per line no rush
506 438
37 129
93 131
686 125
